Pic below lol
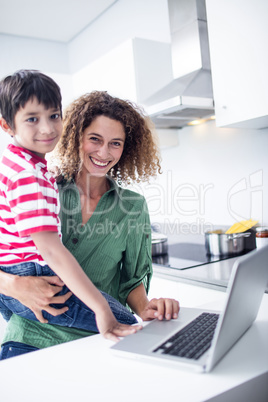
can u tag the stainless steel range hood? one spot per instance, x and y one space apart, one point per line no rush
189 95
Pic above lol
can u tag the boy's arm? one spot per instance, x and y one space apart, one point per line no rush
62 262
37 293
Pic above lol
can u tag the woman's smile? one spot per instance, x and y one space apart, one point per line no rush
98 163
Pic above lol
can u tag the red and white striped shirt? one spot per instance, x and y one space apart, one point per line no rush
29 203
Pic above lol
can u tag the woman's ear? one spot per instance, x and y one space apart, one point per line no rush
6 127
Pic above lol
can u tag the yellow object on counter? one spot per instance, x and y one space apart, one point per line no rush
242 226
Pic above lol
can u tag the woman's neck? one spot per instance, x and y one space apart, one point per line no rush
92 186
91 189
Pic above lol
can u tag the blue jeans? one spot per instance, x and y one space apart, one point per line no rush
12 349
78 315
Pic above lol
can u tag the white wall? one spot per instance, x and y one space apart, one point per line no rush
48 56
214 176
19 52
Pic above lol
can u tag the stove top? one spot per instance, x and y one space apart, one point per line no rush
188 255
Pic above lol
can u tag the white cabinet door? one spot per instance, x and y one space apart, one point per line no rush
128 71
238 39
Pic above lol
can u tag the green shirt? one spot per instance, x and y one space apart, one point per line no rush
113 248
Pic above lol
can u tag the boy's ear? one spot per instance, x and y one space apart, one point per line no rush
5 127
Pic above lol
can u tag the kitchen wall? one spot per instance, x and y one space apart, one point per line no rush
210 175
48 56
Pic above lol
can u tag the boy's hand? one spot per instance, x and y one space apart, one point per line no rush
38 292
56 173
111 329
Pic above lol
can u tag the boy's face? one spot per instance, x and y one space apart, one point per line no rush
36 128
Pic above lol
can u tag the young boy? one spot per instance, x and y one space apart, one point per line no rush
30 244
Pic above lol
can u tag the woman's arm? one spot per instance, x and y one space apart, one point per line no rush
150 309
137 266
37 293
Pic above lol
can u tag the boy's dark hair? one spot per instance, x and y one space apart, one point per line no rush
23 85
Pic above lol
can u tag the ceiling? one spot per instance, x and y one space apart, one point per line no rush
57 20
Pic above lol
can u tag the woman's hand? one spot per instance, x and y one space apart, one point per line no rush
149 309
160 309
38 292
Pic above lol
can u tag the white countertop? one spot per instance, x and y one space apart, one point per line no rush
86 370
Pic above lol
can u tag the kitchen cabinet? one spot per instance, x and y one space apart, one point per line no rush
238 38
134 70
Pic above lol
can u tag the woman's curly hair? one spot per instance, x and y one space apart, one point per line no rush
140 159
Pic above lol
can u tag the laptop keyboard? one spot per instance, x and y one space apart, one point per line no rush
193 340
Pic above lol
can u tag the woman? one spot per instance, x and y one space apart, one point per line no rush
105 141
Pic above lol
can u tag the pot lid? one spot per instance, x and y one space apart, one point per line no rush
158 237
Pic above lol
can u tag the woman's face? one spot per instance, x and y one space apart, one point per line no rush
102 145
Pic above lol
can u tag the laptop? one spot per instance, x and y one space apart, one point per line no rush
198 339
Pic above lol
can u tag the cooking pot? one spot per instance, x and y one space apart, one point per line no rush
159 244
217 243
